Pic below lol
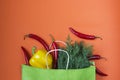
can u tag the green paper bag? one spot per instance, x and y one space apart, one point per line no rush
32 73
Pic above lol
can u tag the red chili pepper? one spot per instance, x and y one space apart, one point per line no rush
100 72
26 55
39 39
95 57
84 36
55 54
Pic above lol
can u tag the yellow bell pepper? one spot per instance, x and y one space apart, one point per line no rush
39 59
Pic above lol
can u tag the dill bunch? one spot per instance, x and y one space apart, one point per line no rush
78 53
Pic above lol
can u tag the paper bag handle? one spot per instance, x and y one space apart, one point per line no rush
57 50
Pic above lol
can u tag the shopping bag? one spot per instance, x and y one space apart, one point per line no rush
32 73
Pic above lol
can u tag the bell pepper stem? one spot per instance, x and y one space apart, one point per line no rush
33 49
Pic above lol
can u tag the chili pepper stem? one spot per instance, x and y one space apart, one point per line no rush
99 37
52 37
25 36
103 58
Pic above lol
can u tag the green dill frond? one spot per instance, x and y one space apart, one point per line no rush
78 52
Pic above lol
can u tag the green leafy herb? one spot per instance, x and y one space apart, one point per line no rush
78 52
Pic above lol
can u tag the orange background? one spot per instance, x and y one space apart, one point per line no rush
44 17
